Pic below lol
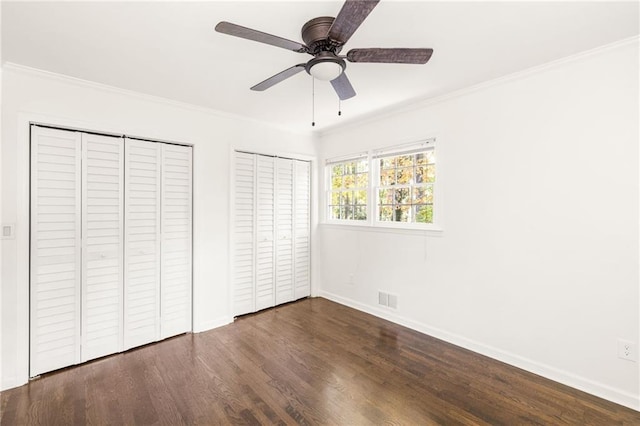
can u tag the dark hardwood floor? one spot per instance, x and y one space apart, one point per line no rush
309 362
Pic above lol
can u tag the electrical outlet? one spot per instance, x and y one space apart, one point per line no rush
627 350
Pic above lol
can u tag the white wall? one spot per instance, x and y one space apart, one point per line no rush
538 261
1 219
35 96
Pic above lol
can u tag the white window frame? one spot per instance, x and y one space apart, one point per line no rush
327 201
372 157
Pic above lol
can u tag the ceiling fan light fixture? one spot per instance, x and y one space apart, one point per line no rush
326 66
325 71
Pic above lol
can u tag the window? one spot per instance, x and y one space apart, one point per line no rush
348 189
401 191
405 186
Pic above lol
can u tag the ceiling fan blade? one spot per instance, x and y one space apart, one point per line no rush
255 35
282 75
343 87
390 56
352 14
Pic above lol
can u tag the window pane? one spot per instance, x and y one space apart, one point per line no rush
424 213
349 168
385 196
360 213
423 194
348 212
405 175
402 196
401 213
362 166
346 197
362 180
404 161
360 197
421 159
431 173
388 162
431 157
386 213
349 188
419 196
387 177
335 212
421 174
349 181
336 182
429 193
335 199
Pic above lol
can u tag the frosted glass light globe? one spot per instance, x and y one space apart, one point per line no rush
326 71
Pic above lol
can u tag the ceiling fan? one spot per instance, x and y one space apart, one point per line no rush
324 37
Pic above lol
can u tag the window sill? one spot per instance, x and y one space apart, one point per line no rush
393 229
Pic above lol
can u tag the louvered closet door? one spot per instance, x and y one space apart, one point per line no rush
142 242
102 245
265 250
302 220
284 231
175 304
55 249
244 234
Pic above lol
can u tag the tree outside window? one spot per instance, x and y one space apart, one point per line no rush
406 186
349 182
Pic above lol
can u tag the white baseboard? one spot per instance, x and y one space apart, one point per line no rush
598 389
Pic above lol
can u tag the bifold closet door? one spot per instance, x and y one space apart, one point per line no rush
302 231
102 245
271 232
265 225
284 231
56 269
244 217
142 242
175 303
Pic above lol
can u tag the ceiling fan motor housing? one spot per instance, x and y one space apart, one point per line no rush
314 34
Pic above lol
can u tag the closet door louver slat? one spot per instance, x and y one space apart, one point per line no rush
142 243
175 305
55 249
102 245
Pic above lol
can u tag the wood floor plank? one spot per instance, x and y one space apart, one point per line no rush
306 363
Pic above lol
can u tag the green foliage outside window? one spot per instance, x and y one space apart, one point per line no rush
348 192
406 188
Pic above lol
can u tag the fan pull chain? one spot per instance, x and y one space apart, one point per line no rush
313 102
339 107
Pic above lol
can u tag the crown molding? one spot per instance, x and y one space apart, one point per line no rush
419 103
36 72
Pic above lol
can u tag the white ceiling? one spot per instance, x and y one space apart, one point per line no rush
170 49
